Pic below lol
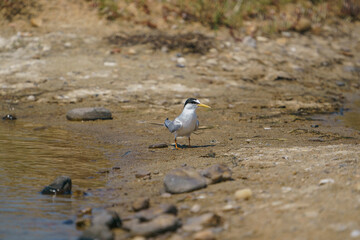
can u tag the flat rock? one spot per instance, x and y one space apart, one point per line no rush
61 185
100 232
245 194
107 218
198 223
149 214
183 180
160 224
140 204
217 173
87 114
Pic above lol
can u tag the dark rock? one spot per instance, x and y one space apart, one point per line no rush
97 232
158 225
314 125
86 114
140 204
149 214
68 222
107 218
183 180
61 185
159 145
9 117
82 223
217 173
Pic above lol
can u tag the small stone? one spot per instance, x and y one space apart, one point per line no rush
326 181
68 222
355 233
149 214
340 83
211 62
68 45
217 173
110 64
9 117
196 208
36 22
132 51
314 125
158 225
249 41
31 98
107 218
181 61
83 223
140 204
61 185
182 180
199 222
141 174
159 145
316 139
97 232
87 114
204 235
243 194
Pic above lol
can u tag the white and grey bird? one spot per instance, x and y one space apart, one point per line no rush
186 122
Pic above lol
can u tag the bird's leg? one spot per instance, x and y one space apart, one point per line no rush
176 144
189 142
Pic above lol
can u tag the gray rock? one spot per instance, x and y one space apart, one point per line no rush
61 185
149 214
160 224
97 232
217 173
183 180
200 222
140 204
249 41
87 114
107 218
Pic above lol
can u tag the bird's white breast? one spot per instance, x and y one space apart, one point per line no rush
188 119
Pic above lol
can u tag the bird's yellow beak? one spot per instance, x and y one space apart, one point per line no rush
203 105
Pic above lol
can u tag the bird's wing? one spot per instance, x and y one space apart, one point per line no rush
173 125
197 125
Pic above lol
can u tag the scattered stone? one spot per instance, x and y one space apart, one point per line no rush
198 223
314 126
87 114
149 214
279 76
353 69
160 224
68 222
316 139
107 218
110 64
9 117
159 145
61 185
211 62
326 181
83 223
31 98
217 173
196 208
204 235
210 154
249 41
100 232
340 83
142 174
140 204
243 194
355 233
183 180
36 22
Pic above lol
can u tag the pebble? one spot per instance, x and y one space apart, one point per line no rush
195 208
183 180
204 235
355 233
249 41
217 173
159 145
303 25
211 62
326 181
87 114
245 194
61 185
85 211
107 218
198 223
141 174
140 204
9 117
160 224
181 60
31 98
149 214
83 223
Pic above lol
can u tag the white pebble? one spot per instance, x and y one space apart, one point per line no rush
355 233
326 180
243 194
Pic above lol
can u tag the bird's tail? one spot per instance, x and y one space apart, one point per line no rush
167 122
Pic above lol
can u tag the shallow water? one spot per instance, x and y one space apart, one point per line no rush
31 157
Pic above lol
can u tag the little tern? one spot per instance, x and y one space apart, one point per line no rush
186 122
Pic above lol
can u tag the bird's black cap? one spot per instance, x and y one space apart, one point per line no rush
191 101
